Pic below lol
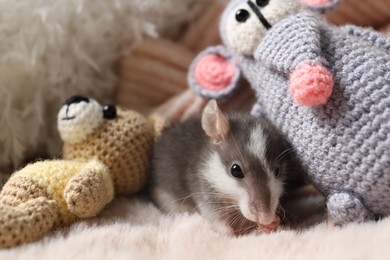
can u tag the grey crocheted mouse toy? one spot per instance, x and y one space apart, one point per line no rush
326 87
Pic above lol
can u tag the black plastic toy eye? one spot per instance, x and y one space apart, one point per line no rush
109 112
277 171
262 3
242 16
236 171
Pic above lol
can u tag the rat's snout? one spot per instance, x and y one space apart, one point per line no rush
262 212
267 219
255 206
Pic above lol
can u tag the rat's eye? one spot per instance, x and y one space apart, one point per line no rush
262 3
109 112
236 171
277 171
242 15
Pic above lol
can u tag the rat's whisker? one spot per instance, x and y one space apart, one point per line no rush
282 155
281 209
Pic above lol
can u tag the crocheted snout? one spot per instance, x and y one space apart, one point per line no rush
78 117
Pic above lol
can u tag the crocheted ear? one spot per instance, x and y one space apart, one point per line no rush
212 74
320 5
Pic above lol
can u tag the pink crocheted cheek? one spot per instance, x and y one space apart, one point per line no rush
311 85
315 2
214 72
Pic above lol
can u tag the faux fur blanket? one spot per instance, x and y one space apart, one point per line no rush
132 228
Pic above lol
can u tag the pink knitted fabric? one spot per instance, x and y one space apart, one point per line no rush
213 72
311 85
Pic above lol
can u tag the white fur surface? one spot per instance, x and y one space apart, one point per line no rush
52 49
134 229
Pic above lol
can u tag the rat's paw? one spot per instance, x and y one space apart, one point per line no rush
271 227
311 85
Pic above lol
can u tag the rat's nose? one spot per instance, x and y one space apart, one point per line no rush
266 219
76 99
262 212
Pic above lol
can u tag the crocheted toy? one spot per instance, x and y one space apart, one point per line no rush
106 153
327 88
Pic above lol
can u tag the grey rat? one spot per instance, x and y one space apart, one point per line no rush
232 168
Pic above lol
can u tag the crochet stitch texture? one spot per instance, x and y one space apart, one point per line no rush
344 144
112 159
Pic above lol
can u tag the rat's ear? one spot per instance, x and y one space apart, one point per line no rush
320 5
214 122
212 74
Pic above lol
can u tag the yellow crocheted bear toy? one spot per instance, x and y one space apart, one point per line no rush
106 152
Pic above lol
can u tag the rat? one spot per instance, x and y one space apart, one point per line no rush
233 169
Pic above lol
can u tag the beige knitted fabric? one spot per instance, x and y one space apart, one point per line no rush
79 193
24 207
159 124
124 146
